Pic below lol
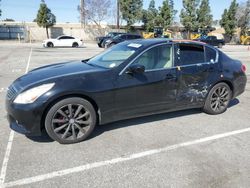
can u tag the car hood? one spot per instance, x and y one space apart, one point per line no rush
54 71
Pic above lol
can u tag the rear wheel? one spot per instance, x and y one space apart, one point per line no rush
50 44
75 45
112 44
220 45
218 99
70 120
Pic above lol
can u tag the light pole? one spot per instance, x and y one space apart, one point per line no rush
118 15
82 17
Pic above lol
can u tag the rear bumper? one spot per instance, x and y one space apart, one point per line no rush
240 86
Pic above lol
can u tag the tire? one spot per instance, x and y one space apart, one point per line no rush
220 45
112 44
70 120
75 45
50 45
218 99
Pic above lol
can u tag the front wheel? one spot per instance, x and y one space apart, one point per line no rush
218 99
70 120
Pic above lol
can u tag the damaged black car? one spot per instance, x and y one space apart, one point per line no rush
131 79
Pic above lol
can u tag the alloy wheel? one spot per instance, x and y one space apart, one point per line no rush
71 122
220 99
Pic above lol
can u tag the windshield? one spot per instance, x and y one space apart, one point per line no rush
117 36
114 56
110 35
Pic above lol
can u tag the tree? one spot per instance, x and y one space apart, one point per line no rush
243 17
188 15
162 17
45 18
0 10
96 11
204 16
149 16
131 11
228 20
173 11
166 14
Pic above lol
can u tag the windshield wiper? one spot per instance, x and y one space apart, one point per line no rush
84 60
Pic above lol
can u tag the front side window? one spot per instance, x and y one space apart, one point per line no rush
188 54
158 57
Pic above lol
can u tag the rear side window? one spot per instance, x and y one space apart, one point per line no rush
132 37
124 37
67 37
188 54
210 54
136 37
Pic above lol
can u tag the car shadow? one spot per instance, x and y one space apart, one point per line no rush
140 121
233 102
42 139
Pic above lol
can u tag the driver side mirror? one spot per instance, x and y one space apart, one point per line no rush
139 69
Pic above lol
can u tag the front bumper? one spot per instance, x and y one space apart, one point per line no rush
25 119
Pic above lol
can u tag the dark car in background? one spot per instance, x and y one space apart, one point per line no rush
134 78
101 40
120 38
212 40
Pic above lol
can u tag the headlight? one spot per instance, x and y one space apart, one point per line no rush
31 95
108 41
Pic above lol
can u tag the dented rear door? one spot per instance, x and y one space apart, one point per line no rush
195 73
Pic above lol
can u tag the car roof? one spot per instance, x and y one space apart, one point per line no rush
65 36
150 42
129 34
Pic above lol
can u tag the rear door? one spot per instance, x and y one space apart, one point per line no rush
65 41
198 67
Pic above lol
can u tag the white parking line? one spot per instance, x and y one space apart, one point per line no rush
28 63
85 167
6 158
3 89
10 141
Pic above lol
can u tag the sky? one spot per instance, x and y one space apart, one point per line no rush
66 10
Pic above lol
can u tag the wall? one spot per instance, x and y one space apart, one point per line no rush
35 33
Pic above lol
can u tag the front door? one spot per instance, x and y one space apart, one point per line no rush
149 92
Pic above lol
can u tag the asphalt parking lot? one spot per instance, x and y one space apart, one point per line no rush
179 149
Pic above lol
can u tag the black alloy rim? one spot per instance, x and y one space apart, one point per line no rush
71 122
220 99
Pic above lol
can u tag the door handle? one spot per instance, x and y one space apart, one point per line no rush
170 77
210 69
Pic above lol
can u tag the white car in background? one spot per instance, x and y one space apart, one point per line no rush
63 41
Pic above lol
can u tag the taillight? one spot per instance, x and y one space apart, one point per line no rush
243 68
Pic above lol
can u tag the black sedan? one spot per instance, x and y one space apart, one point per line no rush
120 38
134 78
101 40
